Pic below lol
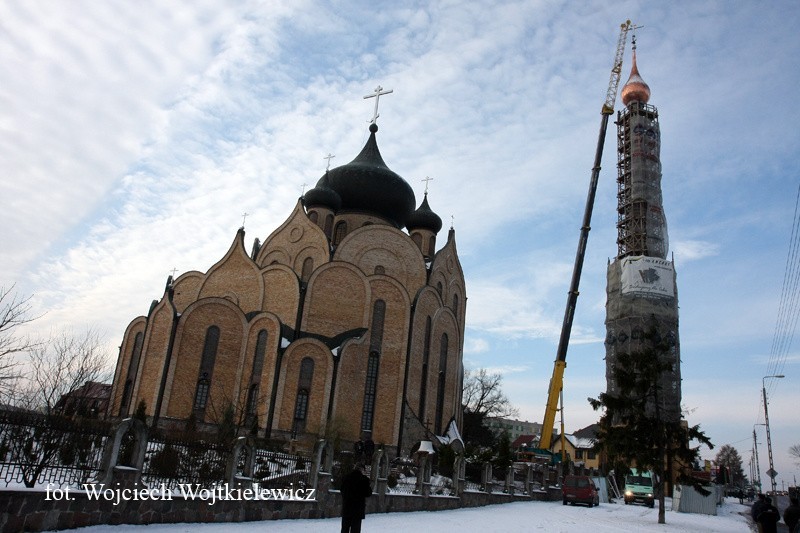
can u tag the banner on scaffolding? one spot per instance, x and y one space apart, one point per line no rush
648 276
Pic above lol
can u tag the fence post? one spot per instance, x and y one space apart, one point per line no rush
486 477
109 466
245 481
510 479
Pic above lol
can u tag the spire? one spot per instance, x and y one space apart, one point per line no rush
635 89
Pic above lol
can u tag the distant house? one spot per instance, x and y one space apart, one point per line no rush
579 447
90 399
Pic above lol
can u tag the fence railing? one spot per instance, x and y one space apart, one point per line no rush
37 449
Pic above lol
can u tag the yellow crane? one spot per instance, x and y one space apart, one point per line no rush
556 382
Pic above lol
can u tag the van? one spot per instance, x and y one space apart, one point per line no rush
639 488
580 489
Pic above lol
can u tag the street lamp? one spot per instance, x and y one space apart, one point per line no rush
771 470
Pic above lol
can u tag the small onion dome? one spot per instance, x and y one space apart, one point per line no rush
367 185
424 218
635 89
323 196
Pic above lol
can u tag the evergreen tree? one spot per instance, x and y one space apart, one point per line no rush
634 428
730 462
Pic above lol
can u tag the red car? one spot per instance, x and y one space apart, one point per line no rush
580 489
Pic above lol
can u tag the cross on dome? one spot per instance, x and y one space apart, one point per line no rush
378 92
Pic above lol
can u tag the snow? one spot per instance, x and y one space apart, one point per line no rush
552 517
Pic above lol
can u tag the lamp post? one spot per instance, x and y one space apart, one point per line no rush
771 471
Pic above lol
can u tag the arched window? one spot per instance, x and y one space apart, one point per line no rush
313 216
301 399
455 305
375 347
439 288
417 239
432 246
370 388
380 270
201 394
255 376
206 368
133 368
340 232
426 354
440 387
328 225
252 400
308 268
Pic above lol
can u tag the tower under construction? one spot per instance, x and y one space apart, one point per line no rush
642 296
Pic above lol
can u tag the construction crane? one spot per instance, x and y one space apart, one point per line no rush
556 382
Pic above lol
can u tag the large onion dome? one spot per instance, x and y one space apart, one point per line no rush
424 218
367 185
323 196
635 89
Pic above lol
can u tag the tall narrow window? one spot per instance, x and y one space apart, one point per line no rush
133 368
370 388
339 232
301 399
255 376
440 387
308 268
375 347
455 305
426 354
328 225
313 216
201 394
206 368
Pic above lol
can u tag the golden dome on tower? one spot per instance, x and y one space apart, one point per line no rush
635 89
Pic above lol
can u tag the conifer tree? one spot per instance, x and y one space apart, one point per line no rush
634 428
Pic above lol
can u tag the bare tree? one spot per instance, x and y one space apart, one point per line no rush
61 365
483 394
794 451
15 311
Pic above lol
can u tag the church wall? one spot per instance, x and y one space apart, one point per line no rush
319 392
428 303
154 352
391 368
336 300
236 278
186 288
383 247
271 324
189 343
295 240
123 365
281 293
349 400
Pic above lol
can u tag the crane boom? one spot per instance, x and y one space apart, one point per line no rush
556 381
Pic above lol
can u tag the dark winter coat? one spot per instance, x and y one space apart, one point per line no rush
759 505
768 518
355 491
791 515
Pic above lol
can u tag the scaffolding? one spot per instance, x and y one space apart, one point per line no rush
641 226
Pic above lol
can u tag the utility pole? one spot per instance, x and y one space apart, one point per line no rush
771 472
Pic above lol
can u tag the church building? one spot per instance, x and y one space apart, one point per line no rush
345 322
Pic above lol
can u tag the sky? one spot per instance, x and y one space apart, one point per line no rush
521 517
135 135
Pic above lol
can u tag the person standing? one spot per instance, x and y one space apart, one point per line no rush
355 491
791 515
758 506
769 517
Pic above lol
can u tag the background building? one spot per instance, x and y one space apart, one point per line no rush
339 324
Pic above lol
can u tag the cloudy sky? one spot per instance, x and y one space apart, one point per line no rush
134 135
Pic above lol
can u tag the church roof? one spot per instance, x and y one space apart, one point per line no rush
367 185
635 89
424 218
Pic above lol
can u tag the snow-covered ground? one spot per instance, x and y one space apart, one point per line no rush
513 517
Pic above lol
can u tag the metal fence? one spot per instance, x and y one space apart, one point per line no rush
39 450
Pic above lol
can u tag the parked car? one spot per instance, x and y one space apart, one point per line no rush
580 489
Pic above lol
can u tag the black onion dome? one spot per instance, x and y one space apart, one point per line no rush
323 196
366 184
424 218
